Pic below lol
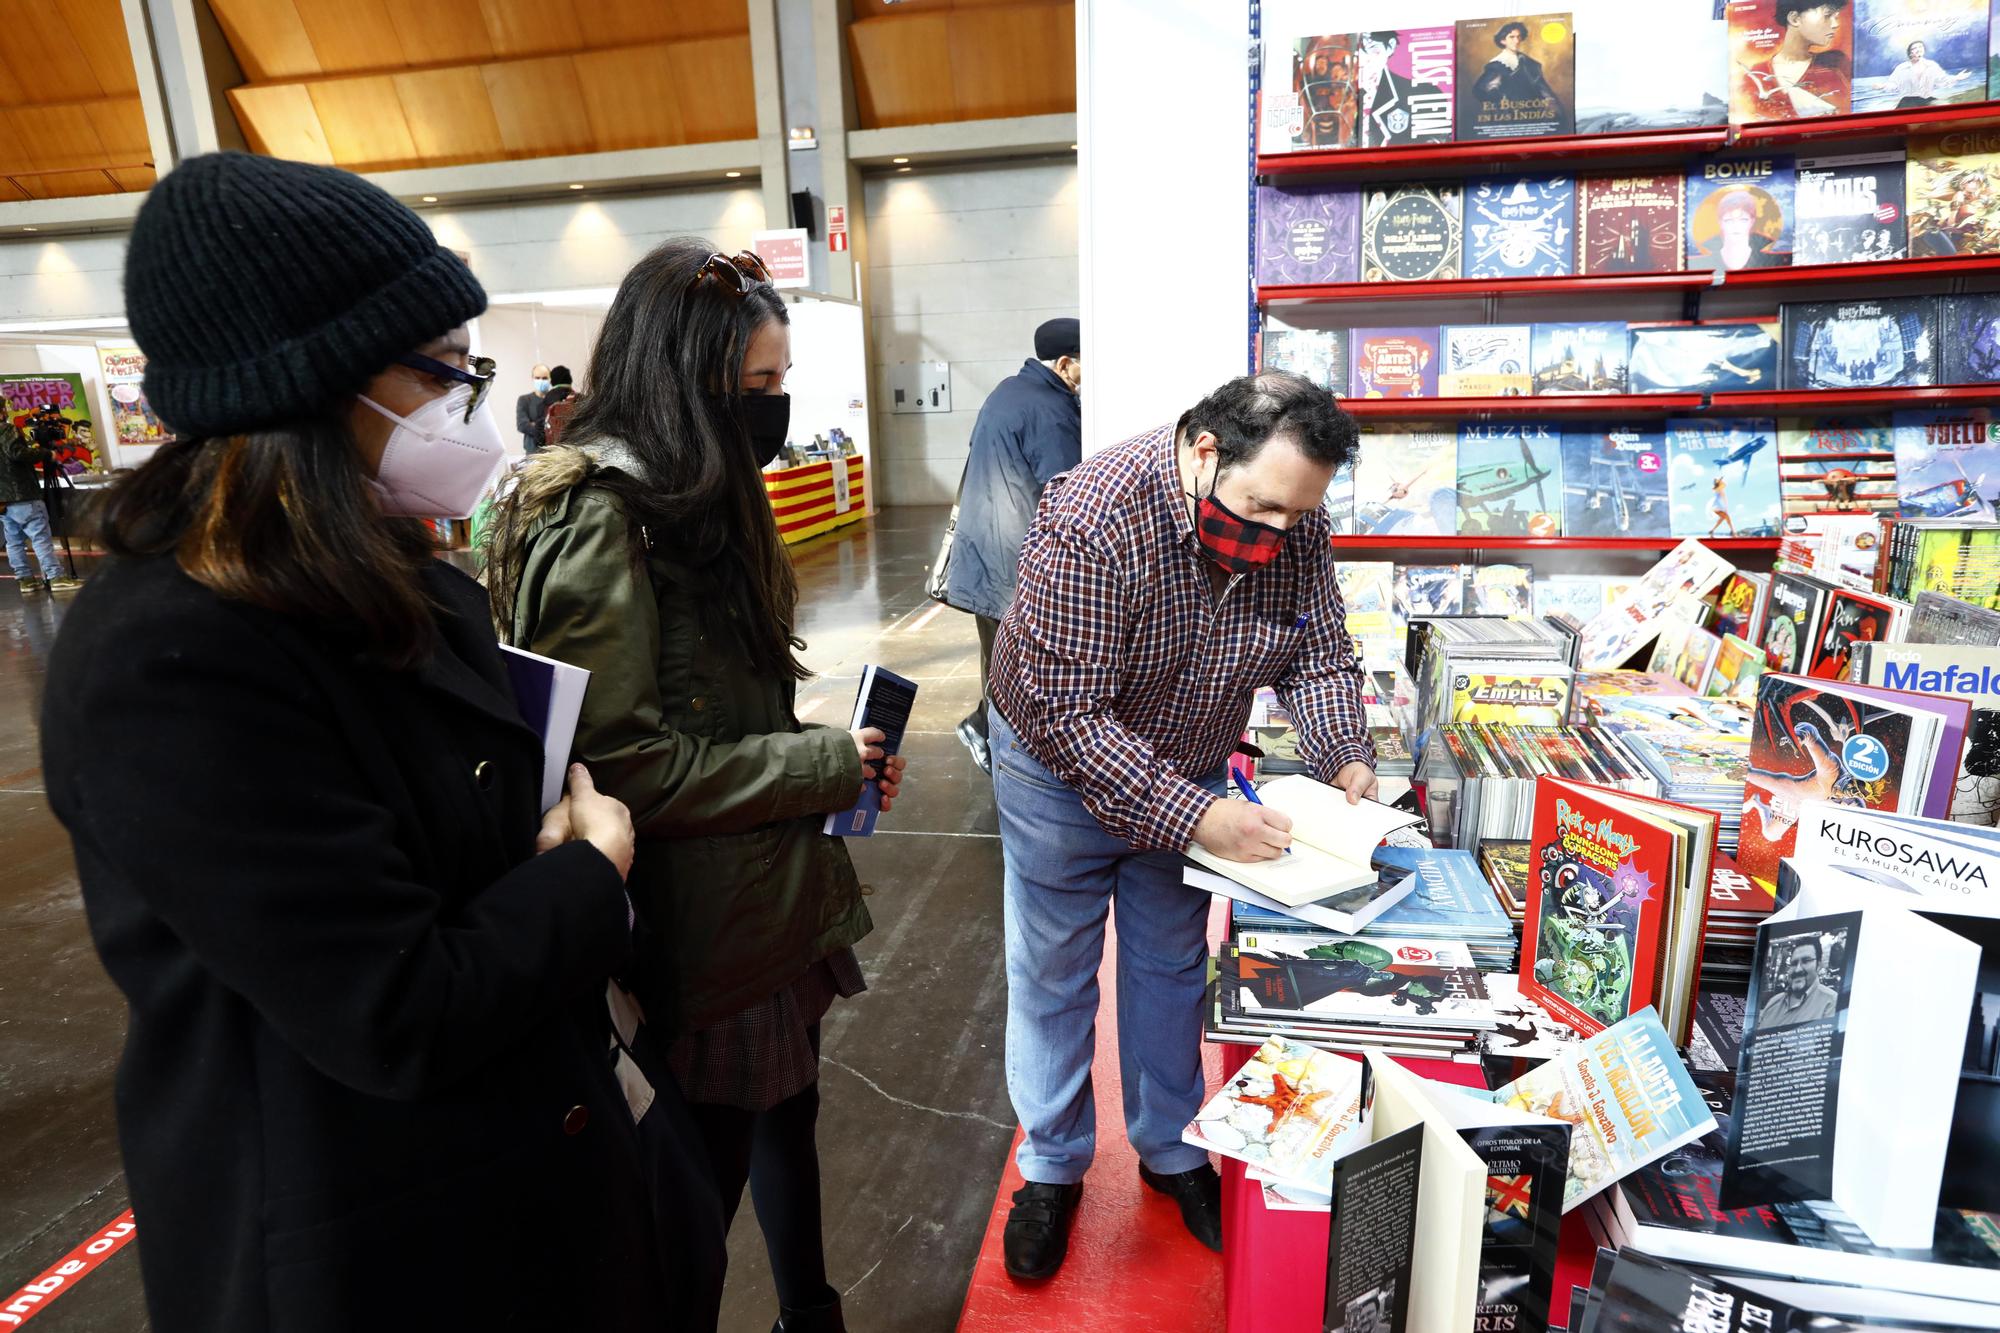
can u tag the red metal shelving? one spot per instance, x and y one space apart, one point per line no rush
1795 401
1872 124
1600 405
1391 541
1891 270
1473 153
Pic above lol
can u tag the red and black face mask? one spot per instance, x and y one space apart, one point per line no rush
1239 545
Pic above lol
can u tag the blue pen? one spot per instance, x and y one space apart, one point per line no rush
1250 794
1300 623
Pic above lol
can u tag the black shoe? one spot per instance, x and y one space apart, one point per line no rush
1037 1235
822 1318
1199 1193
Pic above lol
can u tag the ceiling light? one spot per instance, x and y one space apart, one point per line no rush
430 198
899 161
1072 148
31 229
576 187
732 175
902 169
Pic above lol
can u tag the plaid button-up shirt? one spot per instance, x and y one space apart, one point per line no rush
1127 676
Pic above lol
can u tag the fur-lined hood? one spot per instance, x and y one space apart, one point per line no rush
536 494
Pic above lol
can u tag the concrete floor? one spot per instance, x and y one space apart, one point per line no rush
915 1121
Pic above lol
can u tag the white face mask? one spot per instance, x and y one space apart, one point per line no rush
438 464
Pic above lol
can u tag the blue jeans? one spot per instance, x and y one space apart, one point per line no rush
27 522
1064 872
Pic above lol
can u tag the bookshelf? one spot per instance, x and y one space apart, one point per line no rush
1355 541
1785 402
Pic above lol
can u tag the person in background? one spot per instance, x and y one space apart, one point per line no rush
23 515
560 390
645 551
1163 583
367 976
1029 429
528 413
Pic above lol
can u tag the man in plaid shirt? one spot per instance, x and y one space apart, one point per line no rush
1162 583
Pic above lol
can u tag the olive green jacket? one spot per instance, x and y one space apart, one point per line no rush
741 891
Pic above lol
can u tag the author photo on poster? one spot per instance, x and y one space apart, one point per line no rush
1803 982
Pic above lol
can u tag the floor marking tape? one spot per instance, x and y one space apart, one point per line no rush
924 619
34 1298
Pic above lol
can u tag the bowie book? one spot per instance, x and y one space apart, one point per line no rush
1850 210
1615 905
1404 85
1307 234
1588 358
1846 465
1883 343
1622 84
1307 101
1318 354
1509 479
1947 462
1969 334
1788 70
1740 212
1485 361
1917 54
1410 232
1405 481
1516 76
1393 363
1615 482
1630 224
1723 476
1953 193
1520 227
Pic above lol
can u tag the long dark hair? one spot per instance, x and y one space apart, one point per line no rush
667 364
282 519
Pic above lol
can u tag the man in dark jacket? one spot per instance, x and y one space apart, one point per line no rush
561 390
24 517
1030 429
528 411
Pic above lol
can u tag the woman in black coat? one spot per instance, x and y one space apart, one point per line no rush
370 1080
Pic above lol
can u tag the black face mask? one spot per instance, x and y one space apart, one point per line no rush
767 419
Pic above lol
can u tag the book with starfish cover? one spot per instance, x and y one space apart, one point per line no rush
1285 1113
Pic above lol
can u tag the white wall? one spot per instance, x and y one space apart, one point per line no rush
963 264
520 337
74 278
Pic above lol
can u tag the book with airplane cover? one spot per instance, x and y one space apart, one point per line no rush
1875 343
1429 590
1741 212
1516 76
1332 841
1616 904
1627 1097
1929 53
1947 462
1631 224
1844 465
1723 356
1404 86
1393 363
1520 227
1850 209
1485 361
1952 186
1307 234
1318 354
1501 590
1723 476
884 700
1853 620
1382 979
1410 232
1969 337
1793 70
1406 481
1307 101
1509 479
1586 358
1615 482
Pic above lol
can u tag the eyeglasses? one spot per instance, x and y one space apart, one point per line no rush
737 275
480 376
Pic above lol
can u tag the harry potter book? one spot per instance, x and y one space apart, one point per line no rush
1403 86
1615 483
1485 361
1520 227
1953 191
1741 212
1850 210
1592 358
1307 235
1410 233
1792 69
1318 354
1516 76
1393 363
1509 480
1881 343
1631 224
1969 337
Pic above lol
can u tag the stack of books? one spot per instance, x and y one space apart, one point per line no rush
1737 905
1490 669
1480 779
1448 899
1704 771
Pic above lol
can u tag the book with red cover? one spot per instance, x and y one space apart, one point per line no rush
1617 899
1630 224
1736 899
1853 618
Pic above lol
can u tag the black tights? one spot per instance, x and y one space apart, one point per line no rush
776 1152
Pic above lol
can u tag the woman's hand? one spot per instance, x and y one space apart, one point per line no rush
892 779
600 820
868 744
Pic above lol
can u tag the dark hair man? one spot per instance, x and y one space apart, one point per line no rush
1162 583
549 413
1804 998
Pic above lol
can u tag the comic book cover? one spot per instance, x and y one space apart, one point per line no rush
1527 1168
1883 343
1516 76
1580 597
1947 462
1953 194
1853 620
1393 363
1404 86
1695 658
1615 482
1406 481
1622 84
1485 361
1909 55
1307 234
1367 594
1741 212
1814 741
1798 609
1843 464
1318 354
1631 224
1790 70
1850 209
1339 502
1993 56
1723 476
24 396
1429 590
1969 338
1307 100
1589 358
1520 227
1509 479
1501 590
1381 979
1501 692
1704 358
1285 1112
1740 605
1738 665
1410 232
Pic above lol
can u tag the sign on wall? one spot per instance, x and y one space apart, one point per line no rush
784 253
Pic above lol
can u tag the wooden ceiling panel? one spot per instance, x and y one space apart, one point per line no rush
364 124
133 179
902 75
1018 61
121 127
450 115
439 32
35 40
99 29
279 120
530 27
66 184
11 193
718 97
707 18
351 36
539 105
269 39
58 138
629 97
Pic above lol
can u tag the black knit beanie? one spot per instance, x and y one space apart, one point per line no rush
264 291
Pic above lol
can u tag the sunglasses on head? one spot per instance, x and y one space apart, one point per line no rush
737 274
478 373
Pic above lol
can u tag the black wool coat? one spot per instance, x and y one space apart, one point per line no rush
366 1082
